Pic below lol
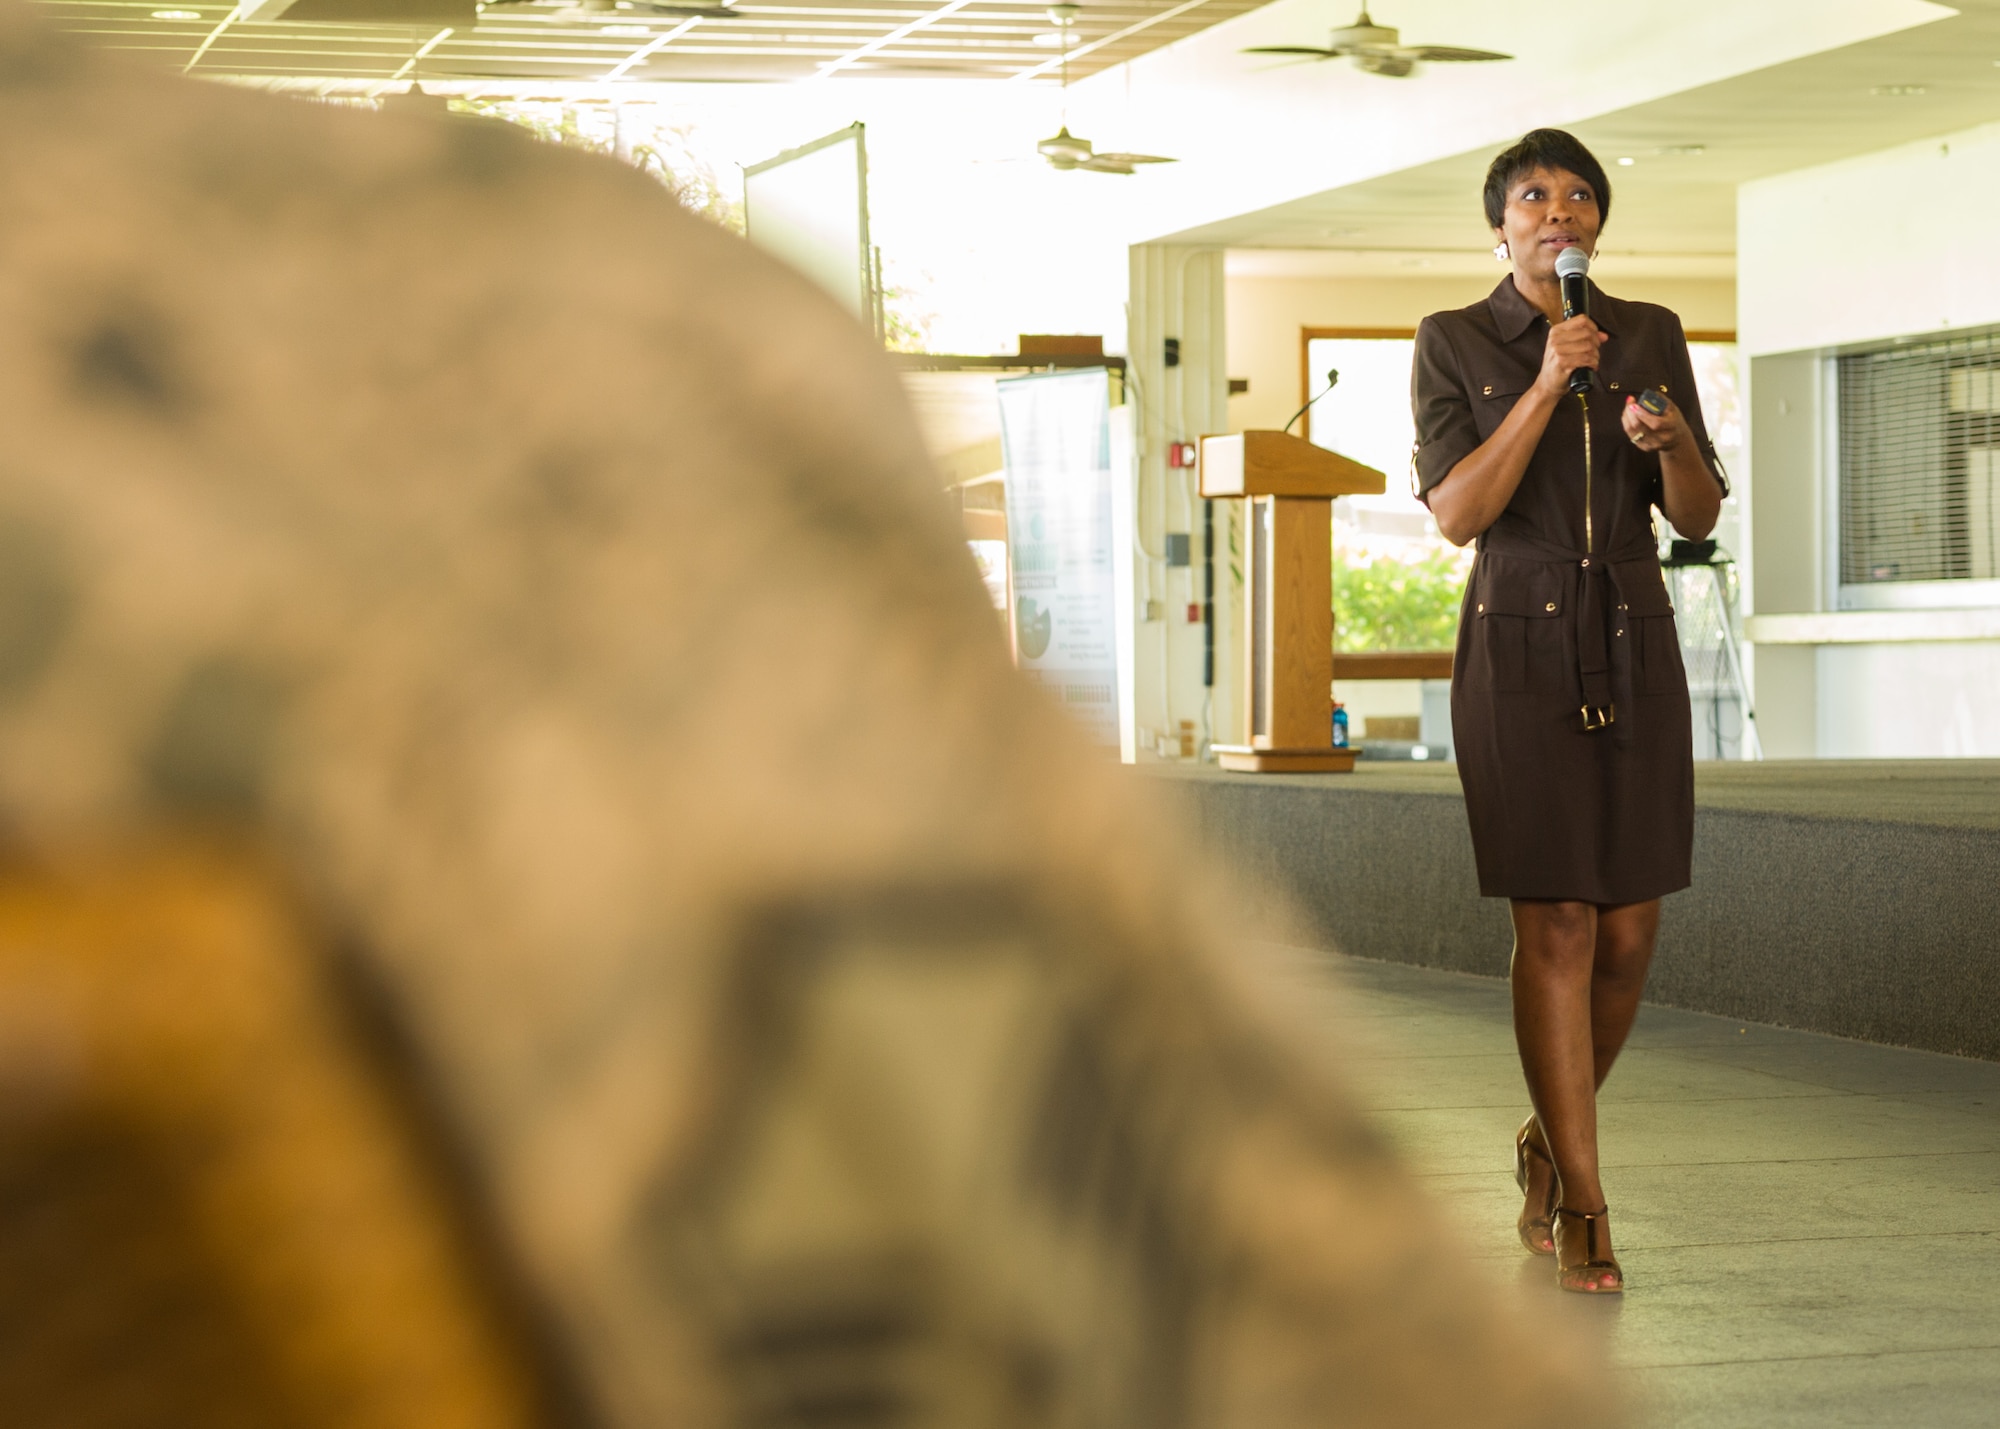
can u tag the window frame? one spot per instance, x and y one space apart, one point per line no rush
1310 335
1841 594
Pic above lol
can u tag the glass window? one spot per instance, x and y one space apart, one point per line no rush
1367 417
1397 582
991 558
1919 428
1718 385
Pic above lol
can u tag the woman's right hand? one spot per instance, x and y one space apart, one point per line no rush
1571 344
1475 492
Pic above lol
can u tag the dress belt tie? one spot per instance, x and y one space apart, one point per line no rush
1597 631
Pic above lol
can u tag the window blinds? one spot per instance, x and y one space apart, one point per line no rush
1919 434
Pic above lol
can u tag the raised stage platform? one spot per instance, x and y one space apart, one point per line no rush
1856 898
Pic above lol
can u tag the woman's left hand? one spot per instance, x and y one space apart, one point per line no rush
1649 433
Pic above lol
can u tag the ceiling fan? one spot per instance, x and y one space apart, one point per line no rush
1065 150
1378 50
595 10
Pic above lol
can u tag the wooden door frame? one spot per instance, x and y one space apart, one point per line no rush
1309 335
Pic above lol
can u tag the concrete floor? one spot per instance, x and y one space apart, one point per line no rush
1810 1227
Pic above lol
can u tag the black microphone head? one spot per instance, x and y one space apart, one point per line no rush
1572 264
1332 378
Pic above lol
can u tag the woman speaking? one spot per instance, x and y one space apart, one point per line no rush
1549 437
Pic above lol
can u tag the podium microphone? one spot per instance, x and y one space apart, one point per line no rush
1332 381
1573 268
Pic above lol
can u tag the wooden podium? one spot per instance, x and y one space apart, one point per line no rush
1288 485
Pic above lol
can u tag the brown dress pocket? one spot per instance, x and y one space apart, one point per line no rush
1493 397
1649 615
1516 612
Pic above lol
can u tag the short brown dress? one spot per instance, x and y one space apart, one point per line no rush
1569 705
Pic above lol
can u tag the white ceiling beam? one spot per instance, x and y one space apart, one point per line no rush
788 39
651 48
383 12
411 63
1036 71
1215 109
213 35
901 32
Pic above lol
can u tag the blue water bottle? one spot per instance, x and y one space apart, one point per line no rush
1340 726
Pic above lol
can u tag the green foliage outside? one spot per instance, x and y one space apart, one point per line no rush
1383 603
648 139
906 311
665 151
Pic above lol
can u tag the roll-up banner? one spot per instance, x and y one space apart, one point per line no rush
1055 432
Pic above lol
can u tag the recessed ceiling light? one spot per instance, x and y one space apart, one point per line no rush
1685 151
1626 163
1899 91
636 31
177 14
1049 39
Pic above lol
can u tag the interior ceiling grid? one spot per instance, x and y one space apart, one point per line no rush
991 39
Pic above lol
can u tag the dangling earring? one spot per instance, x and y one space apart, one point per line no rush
1500 253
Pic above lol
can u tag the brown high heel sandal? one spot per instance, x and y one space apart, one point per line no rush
1537 1223
1598 1273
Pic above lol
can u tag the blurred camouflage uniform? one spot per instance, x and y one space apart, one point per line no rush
482 649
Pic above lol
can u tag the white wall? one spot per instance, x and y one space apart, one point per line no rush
1915 701
1899 243
1884 245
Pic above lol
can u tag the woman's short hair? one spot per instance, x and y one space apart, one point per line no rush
1544 149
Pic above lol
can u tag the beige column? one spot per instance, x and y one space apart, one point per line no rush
1177 294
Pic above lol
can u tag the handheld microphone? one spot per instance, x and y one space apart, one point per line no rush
1332 381
1573 268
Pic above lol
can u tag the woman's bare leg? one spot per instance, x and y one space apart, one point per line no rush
1625 937
1555 952
1578 974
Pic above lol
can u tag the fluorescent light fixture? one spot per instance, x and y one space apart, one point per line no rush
1626 163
